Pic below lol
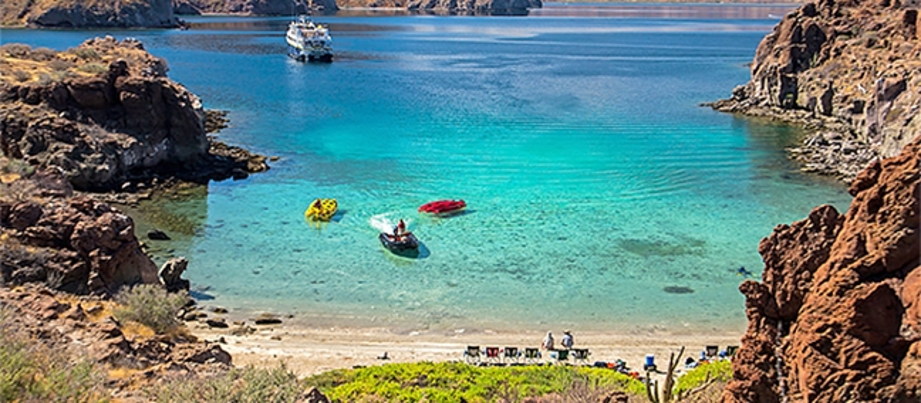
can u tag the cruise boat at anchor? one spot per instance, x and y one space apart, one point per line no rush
308 41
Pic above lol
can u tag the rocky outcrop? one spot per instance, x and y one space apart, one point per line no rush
42 316
170 274
850 71
89 13
475 6
106 114
837 316
252 7
73 244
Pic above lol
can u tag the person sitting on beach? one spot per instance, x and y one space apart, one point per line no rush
567 340
547 344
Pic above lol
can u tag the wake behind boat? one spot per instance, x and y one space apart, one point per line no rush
308 41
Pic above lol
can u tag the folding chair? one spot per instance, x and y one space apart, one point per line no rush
492 355
560 355
712 351
731 350
472 354
531 355
510 354
580 355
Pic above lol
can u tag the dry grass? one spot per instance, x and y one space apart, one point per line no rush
20 64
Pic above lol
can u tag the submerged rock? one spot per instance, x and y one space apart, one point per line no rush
678 290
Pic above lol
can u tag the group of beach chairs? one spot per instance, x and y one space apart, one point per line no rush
515 356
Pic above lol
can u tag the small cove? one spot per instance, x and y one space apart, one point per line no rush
599 192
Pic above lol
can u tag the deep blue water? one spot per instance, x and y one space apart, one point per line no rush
593 177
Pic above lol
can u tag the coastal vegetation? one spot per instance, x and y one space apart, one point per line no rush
151 306
453 382
31 371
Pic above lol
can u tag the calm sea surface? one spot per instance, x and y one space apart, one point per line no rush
597 187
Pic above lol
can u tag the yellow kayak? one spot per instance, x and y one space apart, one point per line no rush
321 210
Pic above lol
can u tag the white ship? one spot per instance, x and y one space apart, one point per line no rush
308 41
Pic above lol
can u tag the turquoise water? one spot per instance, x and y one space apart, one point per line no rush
594 180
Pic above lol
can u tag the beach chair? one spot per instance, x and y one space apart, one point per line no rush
492 355
731 351
711 351
560 355
531 355
472 354
580 355
511 354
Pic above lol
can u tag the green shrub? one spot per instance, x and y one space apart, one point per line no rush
31 372
43 54
16 50
60 65
717 371
237 385
453 382
86 53
21 76
93 68
151 306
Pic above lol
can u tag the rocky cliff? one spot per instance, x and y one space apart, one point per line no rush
449 6
73 244
837 316
850 71
88 13
106 114
252 7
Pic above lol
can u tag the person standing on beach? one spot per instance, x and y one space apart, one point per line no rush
567 340
547 344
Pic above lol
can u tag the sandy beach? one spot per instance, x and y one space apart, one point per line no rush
307 351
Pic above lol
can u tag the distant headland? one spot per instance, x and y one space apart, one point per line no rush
848 72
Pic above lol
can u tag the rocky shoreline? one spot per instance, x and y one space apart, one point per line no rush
847 72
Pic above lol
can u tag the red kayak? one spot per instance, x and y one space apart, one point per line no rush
443 207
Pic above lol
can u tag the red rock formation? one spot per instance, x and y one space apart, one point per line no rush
74 244
838 314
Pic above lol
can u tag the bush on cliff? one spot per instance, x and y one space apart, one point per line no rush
30 372
151 306
237 385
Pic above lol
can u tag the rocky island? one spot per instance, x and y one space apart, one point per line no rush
849 72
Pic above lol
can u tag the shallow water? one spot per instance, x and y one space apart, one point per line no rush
601 196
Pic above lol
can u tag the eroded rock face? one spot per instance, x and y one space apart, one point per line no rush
848 69
88 13
252 7
38 313
838 311
74 244
126 123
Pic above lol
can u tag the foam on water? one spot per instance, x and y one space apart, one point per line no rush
600 195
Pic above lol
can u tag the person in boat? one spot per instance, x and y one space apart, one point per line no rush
399 231
316 204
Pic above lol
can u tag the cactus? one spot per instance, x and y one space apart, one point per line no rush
652 387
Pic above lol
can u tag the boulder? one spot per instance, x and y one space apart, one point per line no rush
836 316
170 274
